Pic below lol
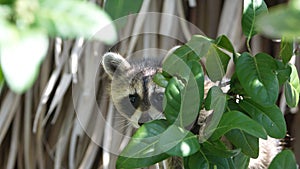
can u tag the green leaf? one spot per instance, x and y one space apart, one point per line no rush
7 1
294 4
200 161
160 80
119 8
252 8
216 101
175 64
284 159
237 120
241 161
182 102
216 60
235 86
220 163
185 90
187 54
270 117
199 44
292 88
20 59
247 143
286 50
281 21
256 75
61 18
196 161
178 142
143 149
283 72
198 74
219 149
232 104
223 42
216 63
291 95
173 99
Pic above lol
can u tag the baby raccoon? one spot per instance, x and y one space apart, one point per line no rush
135 95
139 99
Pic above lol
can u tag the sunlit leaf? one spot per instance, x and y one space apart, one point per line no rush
285 159
9 31
252 8
256 75
178 142
270 117
21 58
143 149
237 120
294 4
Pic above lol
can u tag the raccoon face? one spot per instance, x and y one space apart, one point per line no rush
134 94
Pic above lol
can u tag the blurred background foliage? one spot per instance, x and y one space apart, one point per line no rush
46 84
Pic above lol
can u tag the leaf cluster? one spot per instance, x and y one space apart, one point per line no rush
26 25
242 115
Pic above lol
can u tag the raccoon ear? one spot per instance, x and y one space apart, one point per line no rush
113 61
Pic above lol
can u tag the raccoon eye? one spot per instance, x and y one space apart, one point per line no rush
134 99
